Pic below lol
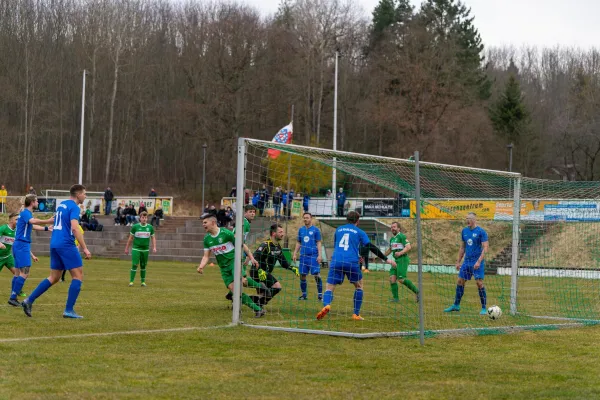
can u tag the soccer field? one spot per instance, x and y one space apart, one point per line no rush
171 340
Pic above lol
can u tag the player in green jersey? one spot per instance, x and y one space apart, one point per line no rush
7 238
140 235
221 243
400 246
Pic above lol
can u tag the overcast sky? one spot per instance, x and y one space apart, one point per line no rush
544 23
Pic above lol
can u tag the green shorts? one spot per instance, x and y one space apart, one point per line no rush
227 274
139 258
8 262
401 267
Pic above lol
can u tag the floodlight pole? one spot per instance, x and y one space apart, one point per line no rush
204 146
419 248
80 181
334 171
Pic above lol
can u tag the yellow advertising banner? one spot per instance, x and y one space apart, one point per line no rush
531 210
454 209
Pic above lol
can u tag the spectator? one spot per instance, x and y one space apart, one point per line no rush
305 202
328 194
255 199
277 197
108 198
131 215
84 221
233 192
263 199
94 225
32 191
341 200
142 208
246 196
120 217
230 213
290 202
3 194
222 218
212 210
284 202
157 216
152 193
206 208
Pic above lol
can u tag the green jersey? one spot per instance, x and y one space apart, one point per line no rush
398 243
222 245
7 238
246 229
141 236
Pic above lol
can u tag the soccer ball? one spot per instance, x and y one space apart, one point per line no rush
494 312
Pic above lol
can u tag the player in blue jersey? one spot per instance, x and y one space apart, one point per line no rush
22 247
345 263
473 246
64 254
309 246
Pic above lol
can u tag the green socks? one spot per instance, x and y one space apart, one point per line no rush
411 286
132 273
143 274
246 300
252 283
394 287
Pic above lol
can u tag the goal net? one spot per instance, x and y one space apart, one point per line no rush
540 268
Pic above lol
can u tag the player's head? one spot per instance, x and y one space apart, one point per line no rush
31 199
209 221
353 217
341 189
78 193
395 228
143 217
471 219
276 232
307 217
249 212
12 220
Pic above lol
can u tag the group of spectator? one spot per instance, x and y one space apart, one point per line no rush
128 216
225 215
109 197
88 222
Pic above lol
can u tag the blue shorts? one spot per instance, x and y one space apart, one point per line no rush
65 258
337 272
309 264
22 253
467 270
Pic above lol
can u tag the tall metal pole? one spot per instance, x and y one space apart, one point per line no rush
80 181
514 260
334 172
204 146
239 222
510 149
419 249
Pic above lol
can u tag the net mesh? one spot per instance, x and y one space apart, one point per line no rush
557 280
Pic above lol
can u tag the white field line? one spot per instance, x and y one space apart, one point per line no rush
118 333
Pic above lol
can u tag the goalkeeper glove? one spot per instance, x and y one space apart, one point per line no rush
295 271
262 275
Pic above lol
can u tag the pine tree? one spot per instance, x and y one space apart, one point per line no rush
509 115
386 15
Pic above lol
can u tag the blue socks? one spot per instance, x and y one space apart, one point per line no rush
39 290
328 298
358 298
319 285
460 290
483 297
74 290
303 286
17 287
12 285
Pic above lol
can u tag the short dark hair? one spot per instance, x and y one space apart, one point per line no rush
12 215
249 207
76 189
30 198
353 217
207 216
306 212
397 223
143 214
274 228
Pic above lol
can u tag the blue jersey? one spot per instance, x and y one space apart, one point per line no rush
308 237
62 235
473 240
24 227
347 241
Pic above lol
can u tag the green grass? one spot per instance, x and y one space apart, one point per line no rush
242 362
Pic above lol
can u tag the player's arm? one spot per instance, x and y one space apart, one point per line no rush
461 253
375 250
204 261
128 244
38 221
41 228
249 255
297 250
484 250
319 257
33 257
388 251
153 243
405 250
79 237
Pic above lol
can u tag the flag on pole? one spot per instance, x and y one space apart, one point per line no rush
283 136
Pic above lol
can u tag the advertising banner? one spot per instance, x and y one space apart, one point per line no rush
46 205
572 211
454 209
380 208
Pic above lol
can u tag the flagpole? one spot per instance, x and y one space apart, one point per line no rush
289 203
334 171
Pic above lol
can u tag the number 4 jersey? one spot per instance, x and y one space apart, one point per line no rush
348 239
